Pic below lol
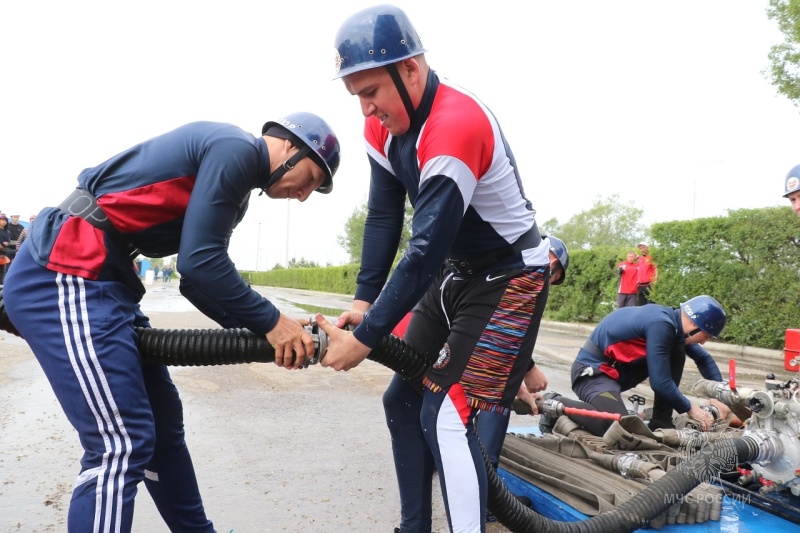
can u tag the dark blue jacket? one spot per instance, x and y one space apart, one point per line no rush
181 192
632 337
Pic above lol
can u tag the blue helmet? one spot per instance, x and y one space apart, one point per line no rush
706 313
792 181
375 37
558 247
319 139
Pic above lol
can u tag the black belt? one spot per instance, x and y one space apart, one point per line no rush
468 267
592 348
81 203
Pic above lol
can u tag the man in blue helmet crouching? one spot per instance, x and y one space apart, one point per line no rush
636 343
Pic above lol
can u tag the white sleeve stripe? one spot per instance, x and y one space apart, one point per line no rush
379 157
454 169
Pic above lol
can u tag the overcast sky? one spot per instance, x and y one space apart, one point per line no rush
662 103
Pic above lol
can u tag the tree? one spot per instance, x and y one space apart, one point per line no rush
302 263
299 263
784 72
607 223
353 236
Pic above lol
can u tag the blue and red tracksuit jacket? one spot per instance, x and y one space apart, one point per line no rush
650 335
181 192
461 178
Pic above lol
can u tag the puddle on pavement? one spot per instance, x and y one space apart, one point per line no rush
327 312
168 300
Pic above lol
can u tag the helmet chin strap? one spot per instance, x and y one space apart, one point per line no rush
401 88
287 165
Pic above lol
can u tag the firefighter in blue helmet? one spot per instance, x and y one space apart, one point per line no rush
73 294
476 270
648 342
791 188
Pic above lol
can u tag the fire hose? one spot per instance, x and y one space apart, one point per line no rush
236 346
555 408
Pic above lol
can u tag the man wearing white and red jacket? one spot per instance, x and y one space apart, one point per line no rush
476 271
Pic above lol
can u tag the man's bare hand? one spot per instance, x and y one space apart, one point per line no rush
349 318
292 343
354 316
344 350
701 416
526 396
535 380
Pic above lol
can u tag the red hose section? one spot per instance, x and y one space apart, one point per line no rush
591 414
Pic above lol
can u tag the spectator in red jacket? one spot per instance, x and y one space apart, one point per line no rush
647 273
628 277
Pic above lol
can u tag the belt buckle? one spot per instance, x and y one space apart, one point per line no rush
461 266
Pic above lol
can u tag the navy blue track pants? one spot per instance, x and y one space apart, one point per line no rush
128 415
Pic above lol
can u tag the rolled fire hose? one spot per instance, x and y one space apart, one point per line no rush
236 346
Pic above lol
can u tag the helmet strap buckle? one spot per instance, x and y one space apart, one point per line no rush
287 165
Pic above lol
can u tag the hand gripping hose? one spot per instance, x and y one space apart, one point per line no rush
235 346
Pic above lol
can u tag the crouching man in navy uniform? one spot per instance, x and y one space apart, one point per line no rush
636 343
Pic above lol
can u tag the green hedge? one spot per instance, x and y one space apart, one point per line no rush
339 279
590 290
749 260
